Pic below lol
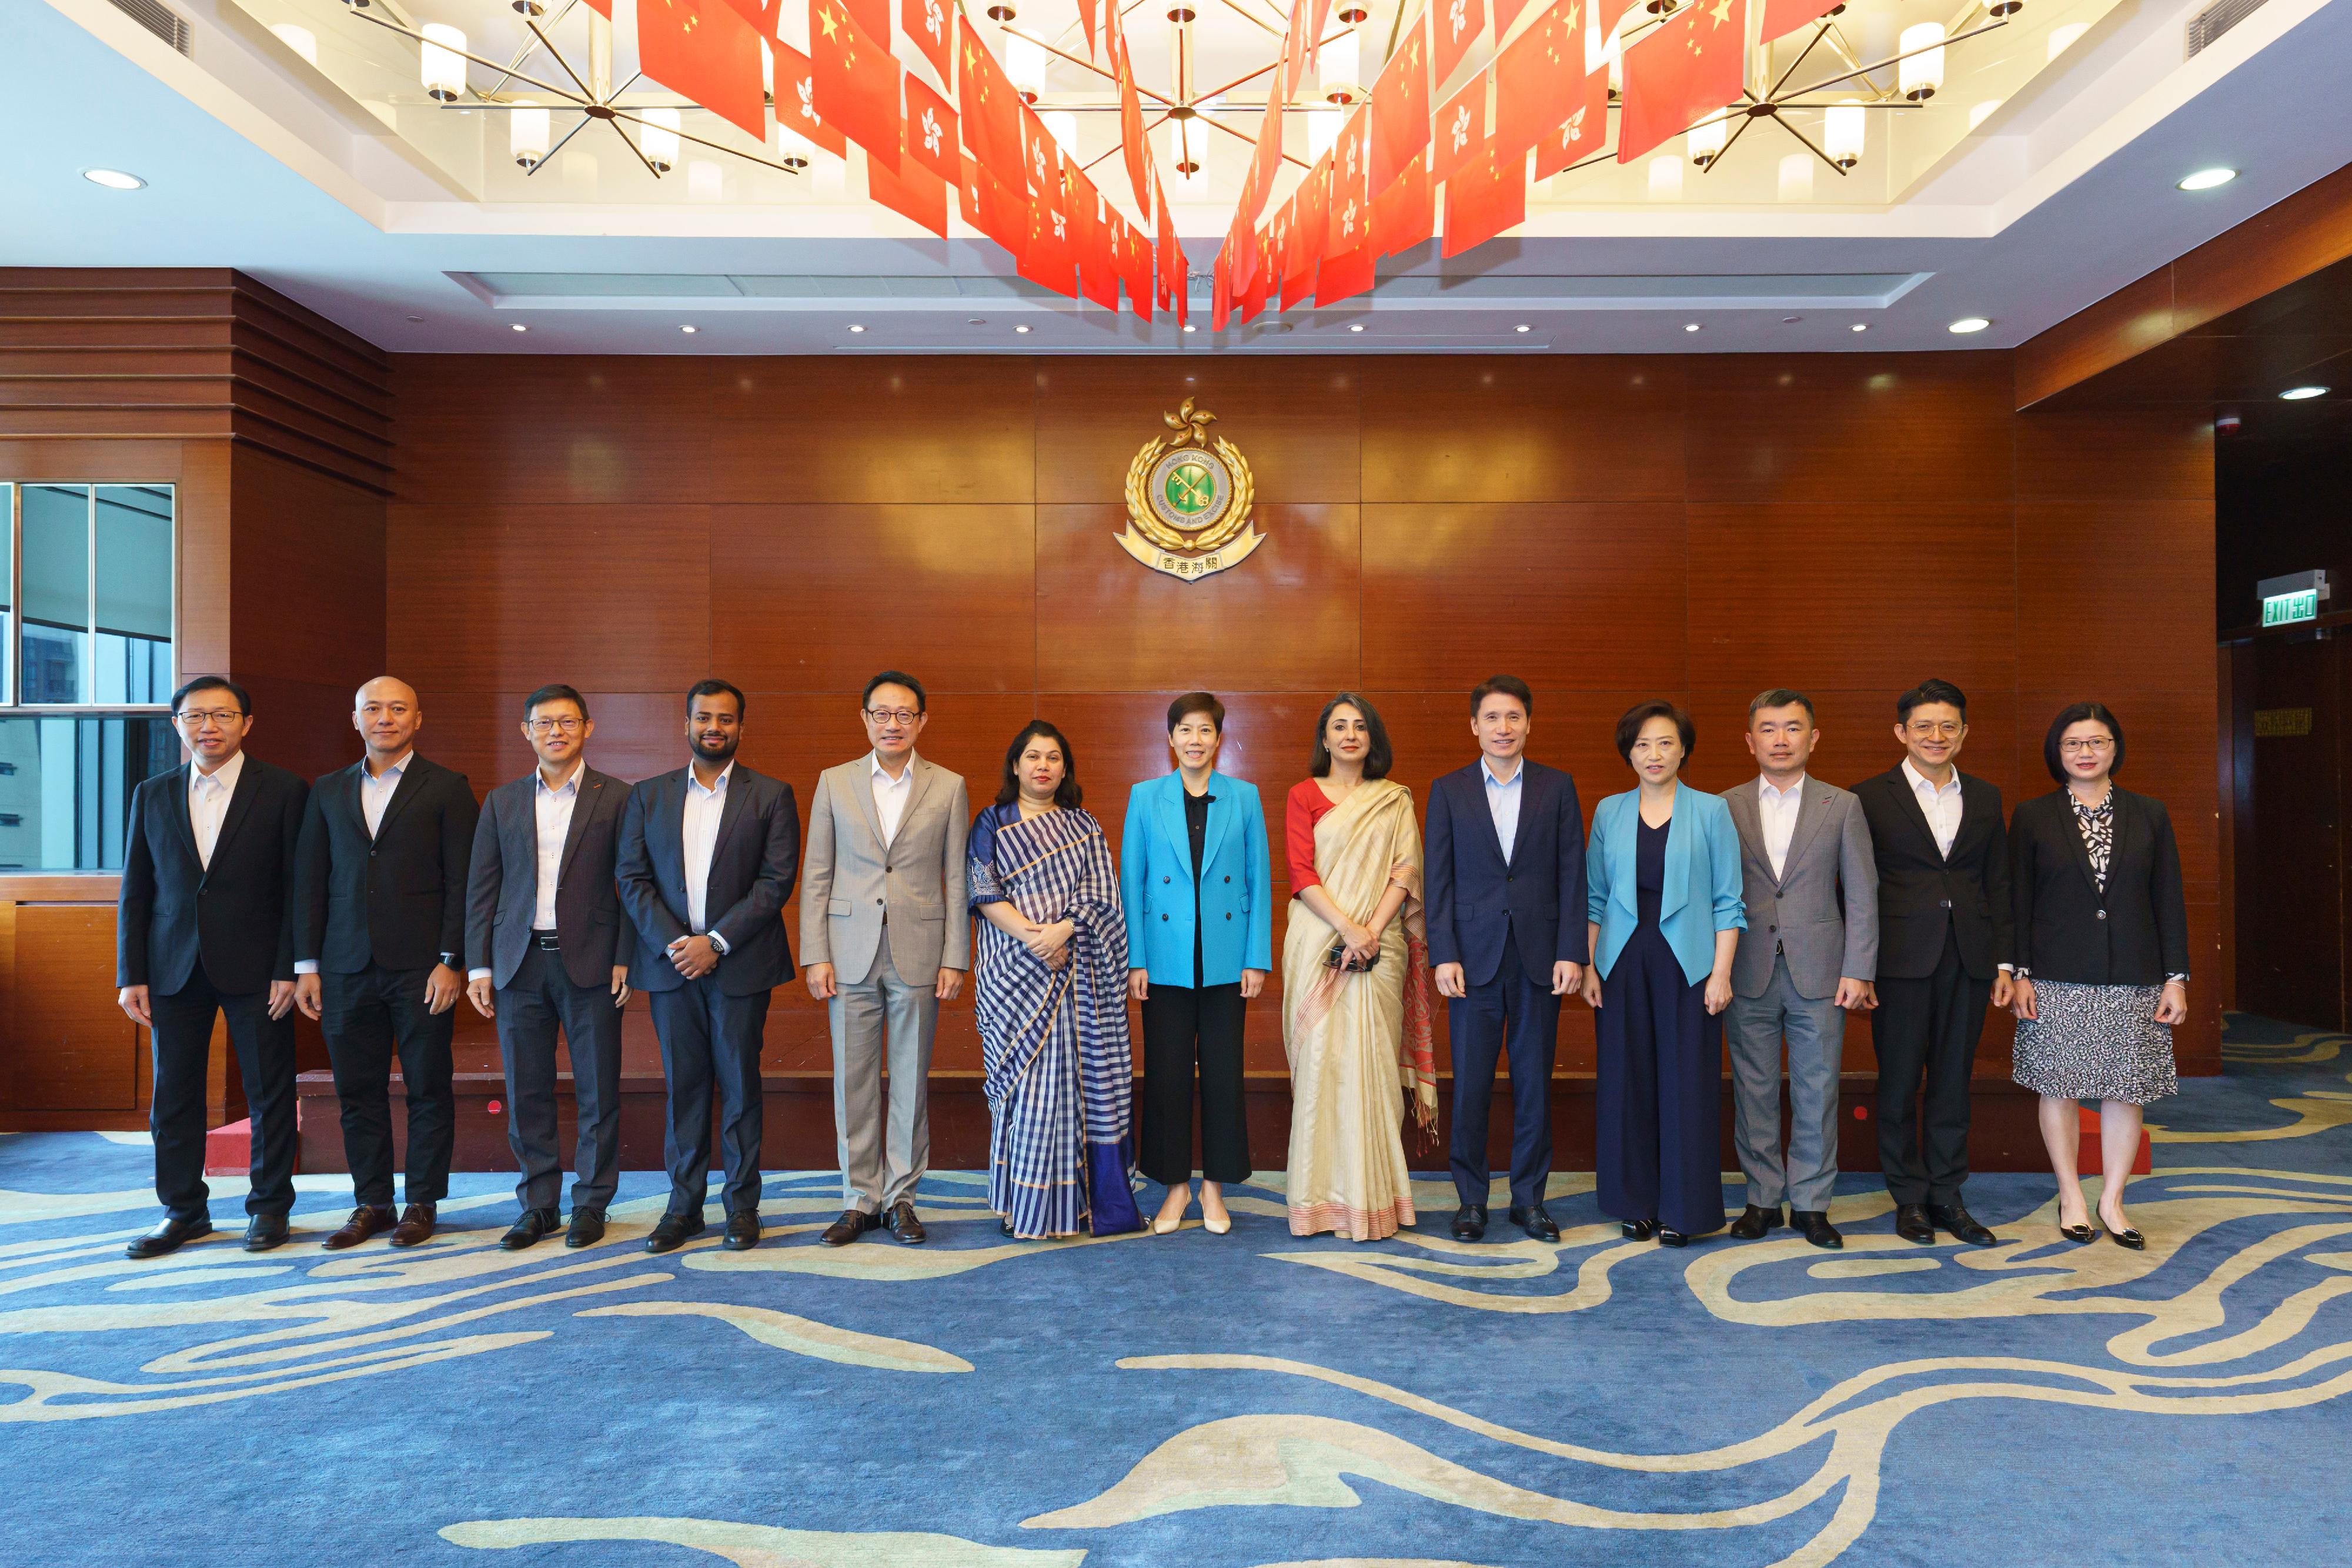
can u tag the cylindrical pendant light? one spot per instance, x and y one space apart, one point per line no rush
1921 71
442 63
1185 160
1706 140
1025 63
527 134
1842 132
792 149
660 139
1341 62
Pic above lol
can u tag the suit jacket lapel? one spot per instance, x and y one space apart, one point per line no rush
240 802
1747 819
1220 817
412 784
1486 810
1677 892
1168 812
176 808
1901 783
2072 825
730 811
861 790
1813 809
584 807
918 787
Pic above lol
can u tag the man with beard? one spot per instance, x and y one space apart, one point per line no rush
706 859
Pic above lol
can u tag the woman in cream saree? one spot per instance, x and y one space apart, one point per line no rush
1357 1030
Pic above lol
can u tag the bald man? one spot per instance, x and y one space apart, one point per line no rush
379 925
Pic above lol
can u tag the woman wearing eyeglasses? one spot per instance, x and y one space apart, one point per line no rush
2103 959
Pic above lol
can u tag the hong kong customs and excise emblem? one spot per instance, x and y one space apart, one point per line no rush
1188 501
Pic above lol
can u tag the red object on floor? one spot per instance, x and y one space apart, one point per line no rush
2087 1161
228 1149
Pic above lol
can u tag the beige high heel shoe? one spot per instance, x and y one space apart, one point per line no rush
1161 1225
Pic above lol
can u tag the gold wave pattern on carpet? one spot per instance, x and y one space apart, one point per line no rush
2314 1110
762 1546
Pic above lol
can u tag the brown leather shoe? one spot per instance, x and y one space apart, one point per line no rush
853 1223
905 1226
365 1221
415 1225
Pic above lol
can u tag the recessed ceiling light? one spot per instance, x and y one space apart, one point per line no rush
1690 326
1861 327
1021 328
2207 179
1355 327
1523 327
517 326
1190 328
114 178
416 318
853 327
1968 324
689 329
2300 394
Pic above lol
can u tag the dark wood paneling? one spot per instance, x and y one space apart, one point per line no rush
1293 420
2086 573
2120 454
1900 429
1534 429
69 1047
307 567
910 431
478 431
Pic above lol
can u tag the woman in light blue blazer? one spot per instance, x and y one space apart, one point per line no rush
1192 871
1667 905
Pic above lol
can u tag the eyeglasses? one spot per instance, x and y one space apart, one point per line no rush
196 718
893 715
1941 730
569 725
2086 746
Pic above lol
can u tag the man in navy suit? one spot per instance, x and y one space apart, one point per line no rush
1507 931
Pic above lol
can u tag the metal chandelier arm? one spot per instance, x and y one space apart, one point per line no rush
1085 65
585 90
562 93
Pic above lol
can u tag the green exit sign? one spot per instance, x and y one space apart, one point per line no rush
2286 609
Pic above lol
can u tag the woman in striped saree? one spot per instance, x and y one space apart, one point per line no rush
1051 994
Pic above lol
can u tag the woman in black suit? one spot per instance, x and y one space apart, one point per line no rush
2103 958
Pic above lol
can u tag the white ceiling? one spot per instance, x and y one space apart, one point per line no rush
255 161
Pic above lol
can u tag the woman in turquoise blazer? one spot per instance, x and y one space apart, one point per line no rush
1667 905
1193 873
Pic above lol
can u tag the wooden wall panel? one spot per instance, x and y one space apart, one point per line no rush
1534 429
911 431
1299 415
1897 430
69 1047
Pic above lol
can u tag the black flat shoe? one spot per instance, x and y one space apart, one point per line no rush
674 1232
1005 1226
586 1230
1911 1223
2080 1234
1754 1223
1470 1223
1536 1223
1637 1229
168 1237
263 1231
1672 1237
2125 1238
1961 1224
1815 1225
534 1224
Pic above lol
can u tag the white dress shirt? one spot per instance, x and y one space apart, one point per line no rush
553 812
699 840
1942 806
892 795
1503 802
209 797
1776 814
376 790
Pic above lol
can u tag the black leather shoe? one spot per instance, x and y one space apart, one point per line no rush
168 1237
1535 1222
674 1232
2126 1237
1672 1237
1815 1225
742 1230
1637 1229
905 1226
2080 1234
587 1227
263 1231
534 1224
1470 1222
1960 1223
853 1223
1753 1222
1911 1224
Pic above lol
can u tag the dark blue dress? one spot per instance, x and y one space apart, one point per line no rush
1660 1080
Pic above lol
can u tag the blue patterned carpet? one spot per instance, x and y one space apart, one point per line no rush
1214 1402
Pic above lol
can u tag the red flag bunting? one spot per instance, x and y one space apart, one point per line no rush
1136 271
1174 281
1402 214
872 16
1261 280
796 101
1454 25
1266 163
1314 206
705 50
856 81
1093 241
765 16
1782 17
1351 205
1538 77
911 191
1047 258
930 139
1400 109
926 22
1582 134
991 109
1133 142
1485 199
1460 134
1681 72
992 209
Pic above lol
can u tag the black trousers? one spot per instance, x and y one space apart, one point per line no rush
1185 1025
541 1001
1512 1011
183 1048
1926 1033
369 1017
706 1034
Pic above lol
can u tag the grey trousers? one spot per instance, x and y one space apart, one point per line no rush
1816 1036
541 1000
882 1157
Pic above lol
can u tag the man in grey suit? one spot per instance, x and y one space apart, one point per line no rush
543 931
1810 949
886 938
706 863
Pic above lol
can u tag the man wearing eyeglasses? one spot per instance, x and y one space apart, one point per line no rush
706 861
542 923
205 926
887 937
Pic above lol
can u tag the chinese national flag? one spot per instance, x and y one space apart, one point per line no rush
1261 280
856 82
911 191
992 209
1047 258
1403 216
1400 110
926 22
1485 199
1131 139
1296 40
1454 25
1136 269
931 131
1173 282
1538 77
1782 17
1460 134
872 16
762 14
1266 163
1312 206
1683 71
991 109
705 50
1094 243
796 101
1098 19
1582 134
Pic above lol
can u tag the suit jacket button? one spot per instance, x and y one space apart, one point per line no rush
878 901
1163 919
2103 914
1771 928
1229 915
1229 879
1163 881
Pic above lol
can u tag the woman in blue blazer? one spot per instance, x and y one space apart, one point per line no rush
1663 889
1200 920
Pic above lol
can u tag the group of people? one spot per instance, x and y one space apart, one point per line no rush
377 898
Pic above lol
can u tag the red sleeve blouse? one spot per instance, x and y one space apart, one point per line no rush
1306 807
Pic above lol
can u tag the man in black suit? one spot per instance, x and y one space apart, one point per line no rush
205 925
379 926
1944 953
708 857
1507 934
542 932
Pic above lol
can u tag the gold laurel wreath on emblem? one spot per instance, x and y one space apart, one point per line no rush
1189 428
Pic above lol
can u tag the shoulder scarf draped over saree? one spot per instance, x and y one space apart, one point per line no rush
1058 1068
1359 1043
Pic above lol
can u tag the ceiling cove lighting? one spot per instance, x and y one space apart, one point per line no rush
1919 72
2302 394
2208 179
1968 324
114 178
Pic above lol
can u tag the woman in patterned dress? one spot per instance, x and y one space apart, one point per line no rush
2103 959
1050 993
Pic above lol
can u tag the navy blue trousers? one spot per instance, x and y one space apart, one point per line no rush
707 1037
1514 1011
1658 1145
